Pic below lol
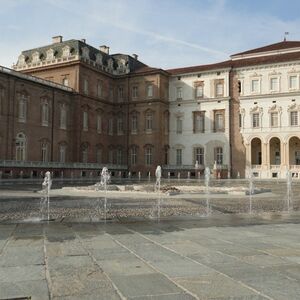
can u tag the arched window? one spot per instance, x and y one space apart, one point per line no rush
84 153
149 121
45 151
20 146
62 153
148 155
45 112
133 155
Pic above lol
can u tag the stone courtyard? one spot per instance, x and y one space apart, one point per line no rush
221 257
228 252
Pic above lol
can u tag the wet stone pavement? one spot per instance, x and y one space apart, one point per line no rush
224 257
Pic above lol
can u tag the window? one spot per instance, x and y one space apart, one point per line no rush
21 147
294 118
166 123
274 84
179 93
119 156
111 156
62 153
121 93
148 155
120 126
178 157
85 125
255 120
99 124
178 125
45 113
111 94
149 121
63 117
255 86
22 109
199 121
166 155
65 82
219 120
85 154
240 120
150 90
99 89
85 86
45 152
239 86
219 89
219 155
297 157
99 155
111 126
293 82
274 119
135 92
199 89
133 155
1 99
199 155
134 123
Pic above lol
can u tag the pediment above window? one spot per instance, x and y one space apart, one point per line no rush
275 108
256 109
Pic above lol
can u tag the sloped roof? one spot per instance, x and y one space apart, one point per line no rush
272 47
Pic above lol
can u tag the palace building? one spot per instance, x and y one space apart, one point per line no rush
71 108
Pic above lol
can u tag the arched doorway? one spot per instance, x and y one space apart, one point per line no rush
275 154
294 151
256 157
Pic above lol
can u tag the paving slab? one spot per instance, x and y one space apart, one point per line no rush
36 289
145 285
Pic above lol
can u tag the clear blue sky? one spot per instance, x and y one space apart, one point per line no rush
164 33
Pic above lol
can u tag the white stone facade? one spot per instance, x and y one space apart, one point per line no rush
269 119
199 119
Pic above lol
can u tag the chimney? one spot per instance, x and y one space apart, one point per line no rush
83 40
104 49
57 39
135 56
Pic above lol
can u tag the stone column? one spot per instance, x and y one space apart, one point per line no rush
248 154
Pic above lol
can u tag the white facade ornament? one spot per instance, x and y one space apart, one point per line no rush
99 58
66 51
35 57
50 54
85 52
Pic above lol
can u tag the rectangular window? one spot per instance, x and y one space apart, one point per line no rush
135 92
179 93
240 120
44 152
219 155
85 125
178 125
199 89
150 90
111 126
199 121
99 124
219 120
99 156
219 89
148 156
111 156
86 87
65 82
133 155
119 156
178 157
134 124
149 122
99 89
274 84
199 155
22 109
274 119
121 93
255 120
45 113
255 86
63 117
294 118
293 82
120 126
62 153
